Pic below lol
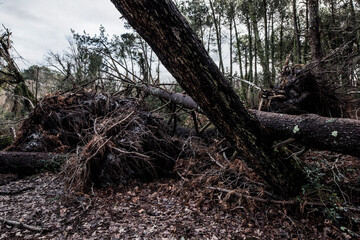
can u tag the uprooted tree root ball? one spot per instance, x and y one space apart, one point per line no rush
126 145
112 139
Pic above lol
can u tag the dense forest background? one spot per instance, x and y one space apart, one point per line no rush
253 42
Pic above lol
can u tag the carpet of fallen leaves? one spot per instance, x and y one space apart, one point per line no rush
141 211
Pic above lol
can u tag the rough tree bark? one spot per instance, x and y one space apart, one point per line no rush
160 23
335 134
314 31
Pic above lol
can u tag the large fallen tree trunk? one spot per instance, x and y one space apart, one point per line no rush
182 53
335 134
27 163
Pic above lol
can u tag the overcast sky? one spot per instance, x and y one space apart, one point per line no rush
39 26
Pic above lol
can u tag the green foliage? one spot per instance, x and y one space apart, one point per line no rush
197 13
326 188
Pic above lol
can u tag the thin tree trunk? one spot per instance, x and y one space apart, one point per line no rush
218 35
231 50
281 42
273 70
314 27
201 30
209 41
184 56
296 35
256 51
267 75
145 66
306 41
250 72
260 50
238 50
332 3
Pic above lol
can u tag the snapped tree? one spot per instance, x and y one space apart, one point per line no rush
170 36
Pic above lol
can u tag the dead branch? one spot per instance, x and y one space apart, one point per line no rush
21 225
281 202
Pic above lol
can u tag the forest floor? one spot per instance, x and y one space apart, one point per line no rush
206 196
156 210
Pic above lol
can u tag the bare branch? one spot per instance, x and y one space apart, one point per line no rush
21 225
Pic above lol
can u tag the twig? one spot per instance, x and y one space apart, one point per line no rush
161 107
250 83
27 99
286 142
299 153
216 162
12 122
289 202
120 122
234 156
204 127
225 157
127 152
21 225
242 195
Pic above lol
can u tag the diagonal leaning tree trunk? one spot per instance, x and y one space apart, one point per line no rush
164 28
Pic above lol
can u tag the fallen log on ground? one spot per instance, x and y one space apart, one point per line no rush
335 134
27 163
